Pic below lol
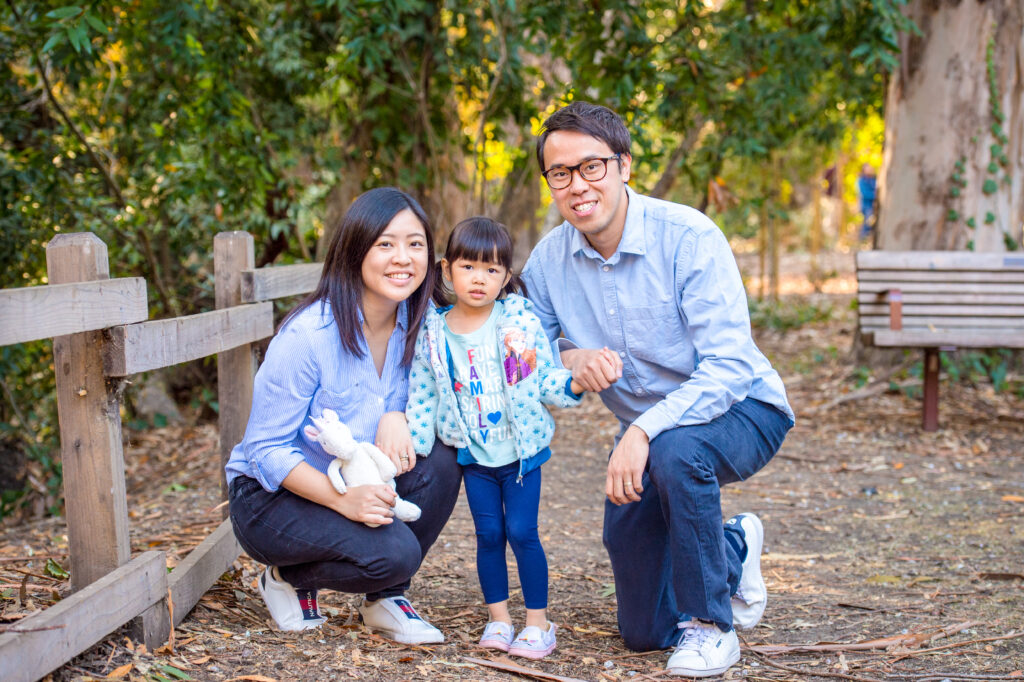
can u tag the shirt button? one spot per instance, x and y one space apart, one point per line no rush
611 311
622 353
380 401
607 268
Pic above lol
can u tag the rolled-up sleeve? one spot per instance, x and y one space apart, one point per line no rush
283 390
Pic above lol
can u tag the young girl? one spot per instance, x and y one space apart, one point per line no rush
481 371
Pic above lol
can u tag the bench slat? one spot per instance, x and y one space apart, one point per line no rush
938 260
929 298
923 310
943 276
979 288
960 339
882 322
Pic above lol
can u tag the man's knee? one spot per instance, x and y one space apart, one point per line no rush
677 455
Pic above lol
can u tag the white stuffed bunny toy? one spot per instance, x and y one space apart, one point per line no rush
359 463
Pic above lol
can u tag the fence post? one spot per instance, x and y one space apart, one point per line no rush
90 426
232 253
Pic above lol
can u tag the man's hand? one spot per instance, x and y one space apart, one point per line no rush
367 504
395 441
626 467
592 369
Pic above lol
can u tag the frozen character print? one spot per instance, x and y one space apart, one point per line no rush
520 361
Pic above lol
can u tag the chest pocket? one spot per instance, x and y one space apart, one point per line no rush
341 401
653 332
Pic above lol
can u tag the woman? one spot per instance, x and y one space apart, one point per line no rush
347 347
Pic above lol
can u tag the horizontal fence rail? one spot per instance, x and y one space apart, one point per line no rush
281 281
100 330
42 312
46 640
151 345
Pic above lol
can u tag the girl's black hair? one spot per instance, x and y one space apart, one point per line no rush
341 282
483 239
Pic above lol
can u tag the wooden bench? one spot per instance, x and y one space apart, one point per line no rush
940 300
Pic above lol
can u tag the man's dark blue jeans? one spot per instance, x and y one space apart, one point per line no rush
316 548
668 551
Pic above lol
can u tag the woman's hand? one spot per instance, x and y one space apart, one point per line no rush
363 503
367 504
395 441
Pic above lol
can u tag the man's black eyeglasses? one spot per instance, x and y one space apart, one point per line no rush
590 170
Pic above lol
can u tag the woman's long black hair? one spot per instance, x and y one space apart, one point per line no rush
341 282
483 239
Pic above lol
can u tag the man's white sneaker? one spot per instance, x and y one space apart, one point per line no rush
395 618
703 650
291 609
752 594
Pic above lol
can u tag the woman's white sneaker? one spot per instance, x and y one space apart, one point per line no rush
703 650
291 609
395 618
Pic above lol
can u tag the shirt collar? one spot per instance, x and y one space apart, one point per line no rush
633 236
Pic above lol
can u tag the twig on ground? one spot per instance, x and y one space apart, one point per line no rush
812 673
921 677
917 639
875 388
911 654
510 667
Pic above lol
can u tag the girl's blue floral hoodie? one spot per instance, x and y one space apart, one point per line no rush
433 407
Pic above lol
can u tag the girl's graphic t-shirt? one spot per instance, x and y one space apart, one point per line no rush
479 377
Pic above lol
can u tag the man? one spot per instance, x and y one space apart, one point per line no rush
699 405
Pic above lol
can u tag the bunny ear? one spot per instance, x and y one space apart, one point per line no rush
329 415
311 431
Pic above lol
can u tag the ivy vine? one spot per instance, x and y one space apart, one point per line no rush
998 162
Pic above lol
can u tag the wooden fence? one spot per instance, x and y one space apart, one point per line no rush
101 335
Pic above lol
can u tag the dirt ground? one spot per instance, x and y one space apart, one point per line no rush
899 553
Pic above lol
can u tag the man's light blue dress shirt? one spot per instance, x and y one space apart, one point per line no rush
306 369
670 302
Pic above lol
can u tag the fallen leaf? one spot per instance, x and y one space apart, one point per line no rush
882 579
119 672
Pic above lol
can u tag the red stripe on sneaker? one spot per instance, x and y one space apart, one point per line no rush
407 609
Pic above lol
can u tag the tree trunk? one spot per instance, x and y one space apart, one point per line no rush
953 173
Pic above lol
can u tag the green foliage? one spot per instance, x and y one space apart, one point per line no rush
156 126
788 315
976 366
